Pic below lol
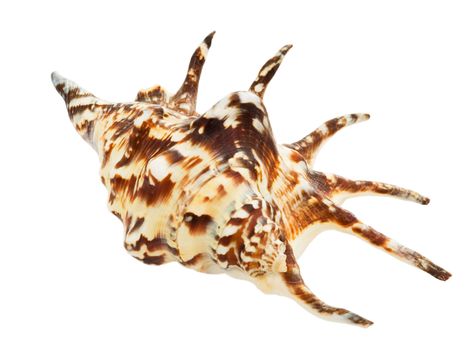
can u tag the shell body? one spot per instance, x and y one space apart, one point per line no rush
215 192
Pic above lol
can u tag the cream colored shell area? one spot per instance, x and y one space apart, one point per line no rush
258 226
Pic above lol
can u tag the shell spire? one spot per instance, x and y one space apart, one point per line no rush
267 72
72 93
83 107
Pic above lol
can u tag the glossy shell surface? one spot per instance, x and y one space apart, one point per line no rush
215 191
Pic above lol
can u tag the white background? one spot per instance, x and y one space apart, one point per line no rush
67 282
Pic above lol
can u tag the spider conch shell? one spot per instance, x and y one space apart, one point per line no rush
216 193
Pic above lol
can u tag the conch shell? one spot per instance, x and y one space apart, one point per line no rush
216 193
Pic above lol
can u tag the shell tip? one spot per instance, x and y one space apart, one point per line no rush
209 38
56 78
443 275
358 320
286 48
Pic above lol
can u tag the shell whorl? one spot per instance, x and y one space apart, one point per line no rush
216 193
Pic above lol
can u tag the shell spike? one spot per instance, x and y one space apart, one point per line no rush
185 98
345 221
304 297
340 188
267 71
294 287
318 209
309 146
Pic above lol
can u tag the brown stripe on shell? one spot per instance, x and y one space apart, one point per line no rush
121 127
211 135
153 245
75 110
86 129
173 156
235 177
117 214
137 224
197 224
152 191
230 257
153 95
191 162
153 260
371 236
106 154
320 181
142 147
71 93
122 186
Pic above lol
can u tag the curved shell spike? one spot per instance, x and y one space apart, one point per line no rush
184 99
309 146
259 85
216 193
338 188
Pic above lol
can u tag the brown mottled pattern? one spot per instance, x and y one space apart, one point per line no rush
198 224
155 192
153 95
215 192
154 245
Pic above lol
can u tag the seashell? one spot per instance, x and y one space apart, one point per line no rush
216 193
